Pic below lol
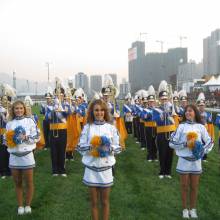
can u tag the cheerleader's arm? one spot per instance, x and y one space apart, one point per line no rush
209 144
175 142
115 147
83 146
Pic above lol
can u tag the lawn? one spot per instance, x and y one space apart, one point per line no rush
137 194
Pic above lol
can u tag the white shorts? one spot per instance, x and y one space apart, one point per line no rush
98 179
185 166
24 162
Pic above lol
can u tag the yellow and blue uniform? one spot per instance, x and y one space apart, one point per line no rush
4 155
58 136
165 126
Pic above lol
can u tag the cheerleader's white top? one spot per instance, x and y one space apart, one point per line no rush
21 156
178 139
98 129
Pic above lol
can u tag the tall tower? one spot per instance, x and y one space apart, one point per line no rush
14 79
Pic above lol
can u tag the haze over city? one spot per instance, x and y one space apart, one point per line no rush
94 36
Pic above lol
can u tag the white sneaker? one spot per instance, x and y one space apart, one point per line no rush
185 213
27 209
168 176
156 160
137 142
149 160
142 148
193 213
3 177
63 175
20 210
161 176
55 174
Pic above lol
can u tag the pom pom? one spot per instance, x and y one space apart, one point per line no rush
19 131
191 138
9 139
105 141
198 150
96 141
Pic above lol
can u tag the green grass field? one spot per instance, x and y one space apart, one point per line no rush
137 194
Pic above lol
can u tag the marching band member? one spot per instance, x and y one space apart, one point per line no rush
217 123
46 108
127 112
139 109
136 119
98 144
150 126
4 155
109 95
206 118
81 105
165 126
141 115
183 103
21 137
58 131
190 141
7 93
178 110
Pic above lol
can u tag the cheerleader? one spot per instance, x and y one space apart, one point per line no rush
191 140
98 143
21 146
4 155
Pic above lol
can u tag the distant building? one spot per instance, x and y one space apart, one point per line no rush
82 81
124 89
151 68
95 83
211 53
114 78
188 72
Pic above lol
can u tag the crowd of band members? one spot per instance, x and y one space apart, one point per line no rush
152 123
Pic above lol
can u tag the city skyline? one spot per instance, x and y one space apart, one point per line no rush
94 36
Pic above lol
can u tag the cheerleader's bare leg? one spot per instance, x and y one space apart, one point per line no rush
194 184
104 192
17 176
28 175
184 183
94 193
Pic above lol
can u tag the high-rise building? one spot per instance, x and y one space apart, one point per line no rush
211 53
114 78
95 83
82 81
151 68
188 72
124 89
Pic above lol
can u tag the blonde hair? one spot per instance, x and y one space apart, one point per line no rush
18 102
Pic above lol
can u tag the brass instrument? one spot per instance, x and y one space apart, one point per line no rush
173 113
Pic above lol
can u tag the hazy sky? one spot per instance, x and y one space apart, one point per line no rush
93 36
